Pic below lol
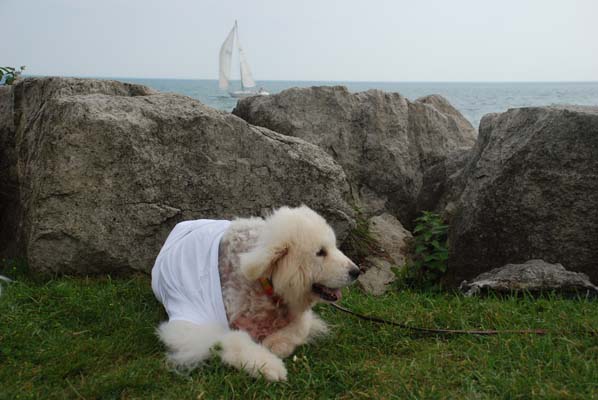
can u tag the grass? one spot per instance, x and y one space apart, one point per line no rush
86 338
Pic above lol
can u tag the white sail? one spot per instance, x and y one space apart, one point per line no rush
226 54
246 77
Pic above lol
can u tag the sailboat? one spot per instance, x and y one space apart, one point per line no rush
226 54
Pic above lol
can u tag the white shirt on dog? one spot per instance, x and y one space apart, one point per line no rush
185 277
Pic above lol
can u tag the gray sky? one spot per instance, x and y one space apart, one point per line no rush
364 40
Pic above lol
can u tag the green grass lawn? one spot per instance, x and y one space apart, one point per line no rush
83 338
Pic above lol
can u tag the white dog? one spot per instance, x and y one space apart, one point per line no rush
254 306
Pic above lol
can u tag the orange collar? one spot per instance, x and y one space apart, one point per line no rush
269 290
267 286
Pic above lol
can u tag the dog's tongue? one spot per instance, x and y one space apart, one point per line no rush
334 294
326 293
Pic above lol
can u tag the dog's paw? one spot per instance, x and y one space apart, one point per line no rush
279 347
274 370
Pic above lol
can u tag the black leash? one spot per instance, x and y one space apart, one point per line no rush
441 331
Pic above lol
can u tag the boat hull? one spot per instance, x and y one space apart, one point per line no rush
241 94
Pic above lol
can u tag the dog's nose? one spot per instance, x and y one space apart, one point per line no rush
354 272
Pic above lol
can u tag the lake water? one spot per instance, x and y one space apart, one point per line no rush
474 99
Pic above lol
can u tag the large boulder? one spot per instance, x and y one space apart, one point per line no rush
383 141
94 174
531 192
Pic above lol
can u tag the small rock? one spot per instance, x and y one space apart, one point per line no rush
392 238
532 276
378 277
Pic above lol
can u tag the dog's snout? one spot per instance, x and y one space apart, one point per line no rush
354 272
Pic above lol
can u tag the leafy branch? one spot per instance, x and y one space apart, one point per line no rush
9 74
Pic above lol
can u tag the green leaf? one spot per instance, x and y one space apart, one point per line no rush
420 248
432 257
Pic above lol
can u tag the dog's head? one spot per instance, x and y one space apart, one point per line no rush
297 249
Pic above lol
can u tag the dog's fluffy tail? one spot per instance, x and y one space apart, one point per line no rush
189 344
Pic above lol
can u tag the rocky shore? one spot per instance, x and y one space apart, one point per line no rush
94 174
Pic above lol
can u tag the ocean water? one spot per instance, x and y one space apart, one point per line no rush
472 99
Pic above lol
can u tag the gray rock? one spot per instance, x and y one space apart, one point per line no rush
378 278
383 141
532 276
389 233
452 114
443 184
393 239
96 173
531 192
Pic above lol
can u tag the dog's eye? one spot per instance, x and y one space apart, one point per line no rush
321 253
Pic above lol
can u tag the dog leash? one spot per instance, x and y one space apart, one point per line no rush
490 332
269 291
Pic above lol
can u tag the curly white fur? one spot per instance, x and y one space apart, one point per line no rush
295 248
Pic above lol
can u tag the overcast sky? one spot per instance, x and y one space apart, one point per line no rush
349 40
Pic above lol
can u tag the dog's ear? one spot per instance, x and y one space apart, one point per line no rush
257 262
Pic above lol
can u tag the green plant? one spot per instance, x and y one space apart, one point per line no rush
9 74
430 253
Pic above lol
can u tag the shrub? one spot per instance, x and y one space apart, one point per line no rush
429 257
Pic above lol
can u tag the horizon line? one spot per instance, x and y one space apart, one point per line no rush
308 80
